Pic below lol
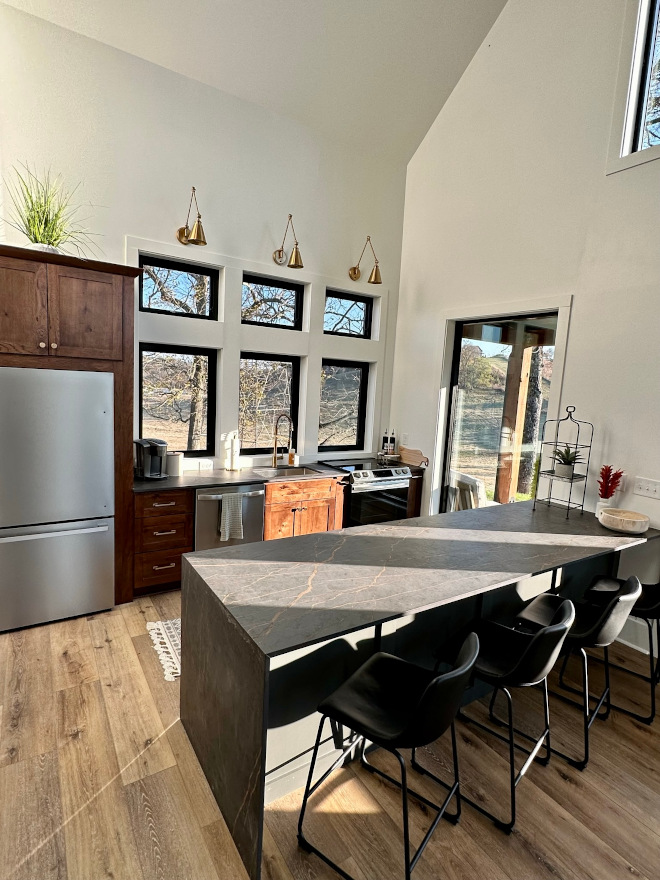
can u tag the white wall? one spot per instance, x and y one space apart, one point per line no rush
138 136
507 200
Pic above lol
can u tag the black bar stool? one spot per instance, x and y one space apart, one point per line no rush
394 705
510 657
596 626
646 608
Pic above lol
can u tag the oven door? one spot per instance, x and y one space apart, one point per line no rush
377 506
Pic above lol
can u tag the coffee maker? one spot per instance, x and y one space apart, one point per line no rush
149 457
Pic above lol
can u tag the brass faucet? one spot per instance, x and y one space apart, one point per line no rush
276 432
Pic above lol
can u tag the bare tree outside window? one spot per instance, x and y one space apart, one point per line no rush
178 288
343 405
268 386
347 315
175 392
648 132
277 304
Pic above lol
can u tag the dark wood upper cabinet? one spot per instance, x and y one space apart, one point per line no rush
23 307
84 313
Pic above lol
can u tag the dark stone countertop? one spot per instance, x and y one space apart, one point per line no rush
293 592
221 477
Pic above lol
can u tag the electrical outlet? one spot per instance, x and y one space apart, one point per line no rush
649 488
404 439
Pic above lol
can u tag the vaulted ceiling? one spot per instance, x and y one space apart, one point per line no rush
371 73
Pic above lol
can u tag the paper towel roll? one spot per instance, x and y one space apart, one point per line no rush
235 453
174 464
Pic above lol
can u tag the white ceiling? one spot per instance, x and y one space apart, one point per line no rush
373 73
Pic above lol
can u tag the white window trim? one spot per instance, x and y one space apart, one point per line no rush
561 303
624 112
230 337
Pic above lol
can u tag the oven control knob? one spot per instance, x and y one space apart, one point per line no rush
398 471
357 475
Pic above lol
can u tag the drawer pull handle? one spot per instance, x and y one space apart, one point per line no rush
161 567
171 532
164 503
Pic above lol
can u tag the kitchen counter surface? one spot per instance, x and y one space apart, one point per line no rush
221 477
291 593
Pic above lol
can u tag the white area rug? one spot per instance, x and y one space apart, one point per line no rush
166 636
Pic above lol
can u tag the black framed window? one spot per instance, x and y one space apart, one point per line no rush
271 302
171 287
178 396
647 122
342 417
347 314
269 385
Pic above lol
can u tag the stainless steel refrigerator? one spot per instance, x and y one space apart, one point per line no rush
56 494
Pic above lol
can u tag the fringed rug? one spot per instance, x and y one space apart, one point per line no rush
166 636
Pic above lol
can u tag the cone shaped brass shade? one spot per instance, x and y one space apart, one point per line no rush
295 260
375 278
197 233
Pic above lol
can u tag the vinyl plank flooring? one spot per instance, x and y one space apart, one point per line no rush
170 842
28 718
32 841
72 652
93 798
168 604
138 733
138 613
165 694
226 859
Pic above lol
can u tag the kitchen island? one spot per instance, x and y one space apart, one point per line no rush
268 629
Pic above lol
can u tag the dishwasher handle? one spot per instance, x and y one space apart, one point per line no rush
220 497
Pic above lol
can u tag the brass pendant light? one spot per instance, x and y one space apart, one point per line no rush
279 256
196 234
354 272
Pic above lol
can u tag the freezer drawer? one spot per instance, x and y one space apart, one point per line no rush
55 571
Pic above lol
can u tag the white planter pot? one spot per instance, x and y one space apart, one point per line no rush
564 470
46 248
602 503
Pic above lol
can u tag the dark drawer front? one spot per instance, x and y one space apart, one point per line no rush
164 503
164 533
151 569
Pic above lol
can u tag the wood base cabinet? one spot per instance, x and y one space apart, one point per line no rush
302 508
163 532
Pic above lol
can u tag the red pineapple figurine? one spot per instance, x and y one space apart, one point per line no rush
608 482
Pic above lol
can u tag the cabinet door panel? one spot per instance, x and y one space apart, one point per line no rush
23 307
280 521
314 517
84 313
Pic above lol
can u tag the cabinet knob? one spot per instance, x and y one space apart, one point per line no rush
42 345
53 345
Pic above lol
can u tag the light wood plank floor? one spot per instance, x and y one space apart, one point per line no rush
98 780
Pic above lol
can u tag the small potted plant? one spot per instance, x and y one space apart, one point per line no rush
565 460
608 484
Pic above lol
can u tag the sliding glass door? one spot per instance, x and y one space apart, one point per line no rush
501 375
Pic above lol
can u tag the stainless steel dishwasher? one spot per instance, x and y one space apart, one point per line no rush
208 511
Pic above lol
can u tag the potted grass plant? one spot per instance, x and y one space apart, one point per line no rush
42 209
564 461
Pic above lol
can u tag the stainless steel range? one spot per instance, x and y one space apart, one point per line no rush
377 493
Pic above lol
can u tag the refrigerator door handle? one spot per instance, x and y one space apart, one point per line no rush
11 539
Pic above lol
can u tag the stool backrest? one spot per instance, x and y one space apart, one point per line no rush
608 626
441 700
541 653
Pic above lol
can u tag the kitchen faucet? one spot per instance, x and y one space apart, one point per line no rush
275 433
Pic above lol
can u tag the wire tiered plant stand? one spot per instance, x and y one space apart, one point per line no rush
577 436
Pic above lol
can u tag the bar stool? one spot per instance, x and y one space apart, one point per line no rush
646 608
596 626
394 704
511 657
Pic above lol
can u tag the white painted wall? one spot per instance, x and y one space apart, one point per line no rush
138 136
507 200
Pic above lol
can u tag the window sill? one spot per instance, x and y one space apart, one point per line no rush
632 160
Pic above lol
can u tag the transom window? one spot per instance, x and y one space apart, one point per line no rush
347 314
178 396
343 410
170 287
647 122
269 385
271 302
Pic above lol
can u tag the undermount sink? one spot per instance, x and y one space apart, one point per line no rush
285 471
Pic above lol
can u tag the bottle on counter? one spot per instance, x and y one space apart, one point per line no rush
391 446
292 455
386 442
235 452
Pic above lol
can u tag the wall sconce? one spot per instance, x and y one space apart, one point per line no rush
354 272
196 234
279 256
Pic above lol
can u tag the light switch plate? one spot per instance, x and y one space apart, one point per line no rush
646 487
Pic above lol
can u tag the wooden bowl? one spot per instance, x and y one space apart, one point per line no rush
623 520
